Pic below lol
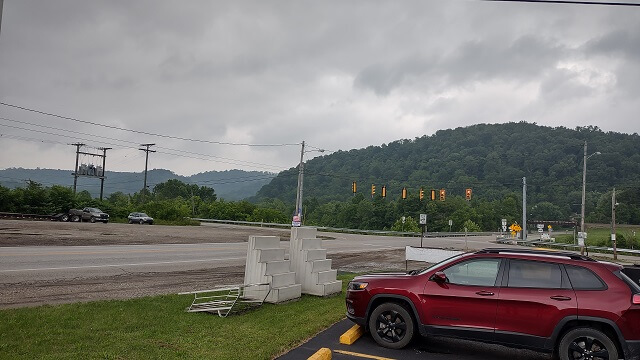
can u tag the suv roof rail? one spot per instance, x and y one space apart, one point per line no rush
568 254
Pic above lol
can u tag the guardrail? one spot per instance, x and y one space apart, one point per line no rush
565 246
348 231
17 216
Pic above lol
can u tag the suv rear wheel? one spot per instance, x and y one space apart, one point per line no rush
587 343
391 326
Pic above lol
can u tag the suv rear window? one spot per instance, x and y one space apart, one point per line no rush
534 274
635 288
584 279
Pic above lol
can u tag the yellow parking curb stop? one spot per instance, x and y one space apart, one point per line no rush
351 335
322 354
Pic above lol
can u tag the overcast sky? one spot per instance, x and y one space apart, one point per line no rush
337 74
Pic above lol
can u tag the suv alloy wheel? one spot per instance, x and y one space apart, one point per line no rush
587 343
391 325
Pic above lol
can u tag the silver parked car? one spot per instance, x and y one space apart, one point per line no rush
139 218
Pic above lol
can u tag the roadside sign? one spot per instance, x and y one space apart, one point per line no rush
504 227
423 219
504 222
403 219
613 237
540 230
540 226
450 222
296 221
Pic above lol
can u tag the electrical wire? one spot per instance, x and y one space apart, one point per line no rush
233 161
143 132
571 2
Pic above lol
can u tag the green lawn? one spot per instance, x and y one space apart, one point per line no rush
600 235
159 328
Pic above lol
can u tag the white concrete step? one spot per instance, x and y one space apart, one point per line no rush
320 265
308 244
324 276
283 279
277 267
315 254
284 293
266 242
266 255
324 289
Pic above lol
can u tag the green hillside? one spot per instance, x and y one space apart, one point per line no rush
491 159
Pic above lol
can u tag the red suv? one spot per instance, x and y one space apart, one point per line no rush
551 301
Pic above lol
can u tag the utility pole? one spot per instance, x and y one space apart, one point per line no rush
584 192
1 5
102 176
75 171
146 164
524 209
300 183
613 224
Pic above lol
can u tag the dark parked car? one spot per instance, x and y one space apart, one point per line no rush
560 302
139 218
87 214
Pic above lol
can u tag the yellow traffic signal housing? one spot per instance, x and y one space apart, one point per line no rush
433 195
468 194
384 191
404 193
354 187
373 189
443 194
421 194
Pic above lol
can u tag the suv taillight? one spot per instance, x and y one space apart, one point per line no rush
636 299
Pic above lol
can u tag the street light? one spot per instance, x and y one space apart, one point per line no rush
584 190
300 181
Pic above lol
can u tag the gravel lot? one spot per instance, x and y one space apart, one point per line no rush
129 285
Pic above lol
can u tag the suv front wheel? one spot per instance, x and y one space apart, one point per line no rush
587 343
391 326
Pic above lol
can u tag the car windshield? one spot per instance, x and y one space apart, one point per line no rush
443 262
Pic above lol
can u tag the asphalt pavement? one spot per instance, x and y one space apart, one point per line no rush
420 348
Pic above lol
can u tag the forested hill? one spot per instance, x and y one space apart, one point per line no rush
229 184
491 159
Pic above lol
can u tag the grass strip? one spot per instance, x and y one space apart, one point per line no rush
158 328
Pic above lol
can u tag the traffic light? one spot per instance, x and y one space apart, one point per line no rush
443 194
404 193
373 190
384 191
433 195
468 194
354 187
421 194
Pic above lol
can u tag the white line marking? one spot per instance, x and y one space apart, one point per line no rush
119 265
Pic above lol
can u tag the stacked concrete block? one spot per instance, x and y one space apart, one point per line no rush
310 264
266 264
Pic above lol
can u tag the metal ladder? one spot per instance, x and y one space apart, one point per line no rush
223 301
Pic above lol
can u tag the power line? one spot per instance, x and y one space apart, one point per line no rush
142 132
571 2
233 161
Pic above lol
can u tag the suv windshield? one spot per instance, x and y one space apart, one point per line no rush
443 262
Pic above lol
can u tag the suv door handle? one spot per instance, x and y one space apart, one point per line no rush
561 298
484 293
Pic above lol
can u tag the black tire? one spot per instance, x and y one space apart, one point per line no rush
587 343
75 218
92 219
130 222
391 326
64 217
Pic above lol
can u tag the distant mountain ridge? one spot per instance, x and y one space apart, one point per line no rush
228 185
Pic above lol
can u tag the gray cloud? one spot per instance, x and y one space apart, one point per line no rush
339 75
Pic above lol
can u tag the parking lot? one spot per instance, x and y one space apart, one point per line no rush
420 348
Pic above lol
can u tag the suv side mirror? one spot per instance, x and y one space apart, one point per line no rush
439 277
